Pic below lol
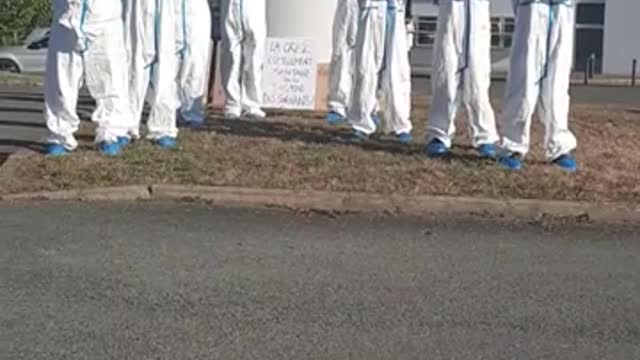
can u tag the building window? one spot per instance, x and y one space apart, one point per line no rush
590 14
502 32
426 29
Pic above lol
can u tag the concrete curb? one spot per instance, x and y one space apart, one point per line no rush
401 204
342 202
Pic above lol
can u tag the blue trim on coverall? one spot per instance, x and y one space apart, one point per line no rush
156 42
389 30
83 19
466 41
550 24
185 43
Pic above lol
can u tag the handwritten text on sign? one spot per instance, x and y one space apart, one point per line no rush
289 74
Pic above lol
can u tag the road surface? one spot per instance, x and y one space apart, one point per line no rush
165 281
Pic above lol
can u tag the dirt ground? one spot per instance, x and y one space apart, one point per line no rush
299 151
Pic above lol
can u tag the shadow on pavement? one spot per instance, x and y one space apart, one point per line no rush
20 110
31 145
21 97
84 100
22 123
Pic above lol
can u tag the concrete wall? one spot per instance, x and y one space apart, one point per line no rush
306 19
303 18
621 36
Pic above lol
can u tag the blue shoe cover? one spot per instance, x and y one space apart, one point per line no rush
487 150
167 142
56 150
405 138
334 118
110 148
566 162
124 141
436 148
510 162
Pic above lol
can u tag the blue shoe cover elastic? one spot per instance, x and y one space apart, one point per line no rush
405 138
436 148
55 150
167 142
510 162
566 162
335 118
110 148
487 150
124 141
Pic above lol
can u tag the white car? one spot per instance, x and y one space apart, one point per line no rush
29 57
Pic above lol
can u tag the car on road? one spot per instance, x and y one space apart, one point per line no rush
30 57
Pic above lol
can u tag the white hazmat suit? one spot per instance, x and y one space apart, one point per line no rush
382 61
194 39
244 32
150 41
462 72
85 45
345 27
539 76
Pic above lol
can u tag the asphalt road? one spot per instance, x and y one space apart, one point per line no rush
22 124
163 281
21 117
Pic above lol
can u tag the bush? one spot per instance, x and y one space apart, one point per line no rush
19 17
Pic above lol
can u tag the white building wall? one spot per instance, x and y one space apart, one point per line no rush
303 19
621 36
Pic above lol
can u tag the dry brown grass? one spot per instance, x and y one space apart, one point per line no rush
301 152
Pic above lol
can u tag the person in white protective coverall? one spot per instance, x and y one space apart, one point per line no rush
345 27
194 40
382 62
244 32
86 45
150 39
462 74
539 76
342 67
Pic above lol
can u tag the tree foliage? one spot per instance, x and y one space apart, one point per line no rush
19 17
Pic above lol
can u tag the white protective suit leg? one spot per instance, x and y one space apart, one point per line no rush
462 72
194 41
539 76
86 45
244 33
151 50
341 69
382 61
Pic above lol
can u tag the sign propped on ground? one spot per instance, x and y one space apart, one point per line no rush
290 74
